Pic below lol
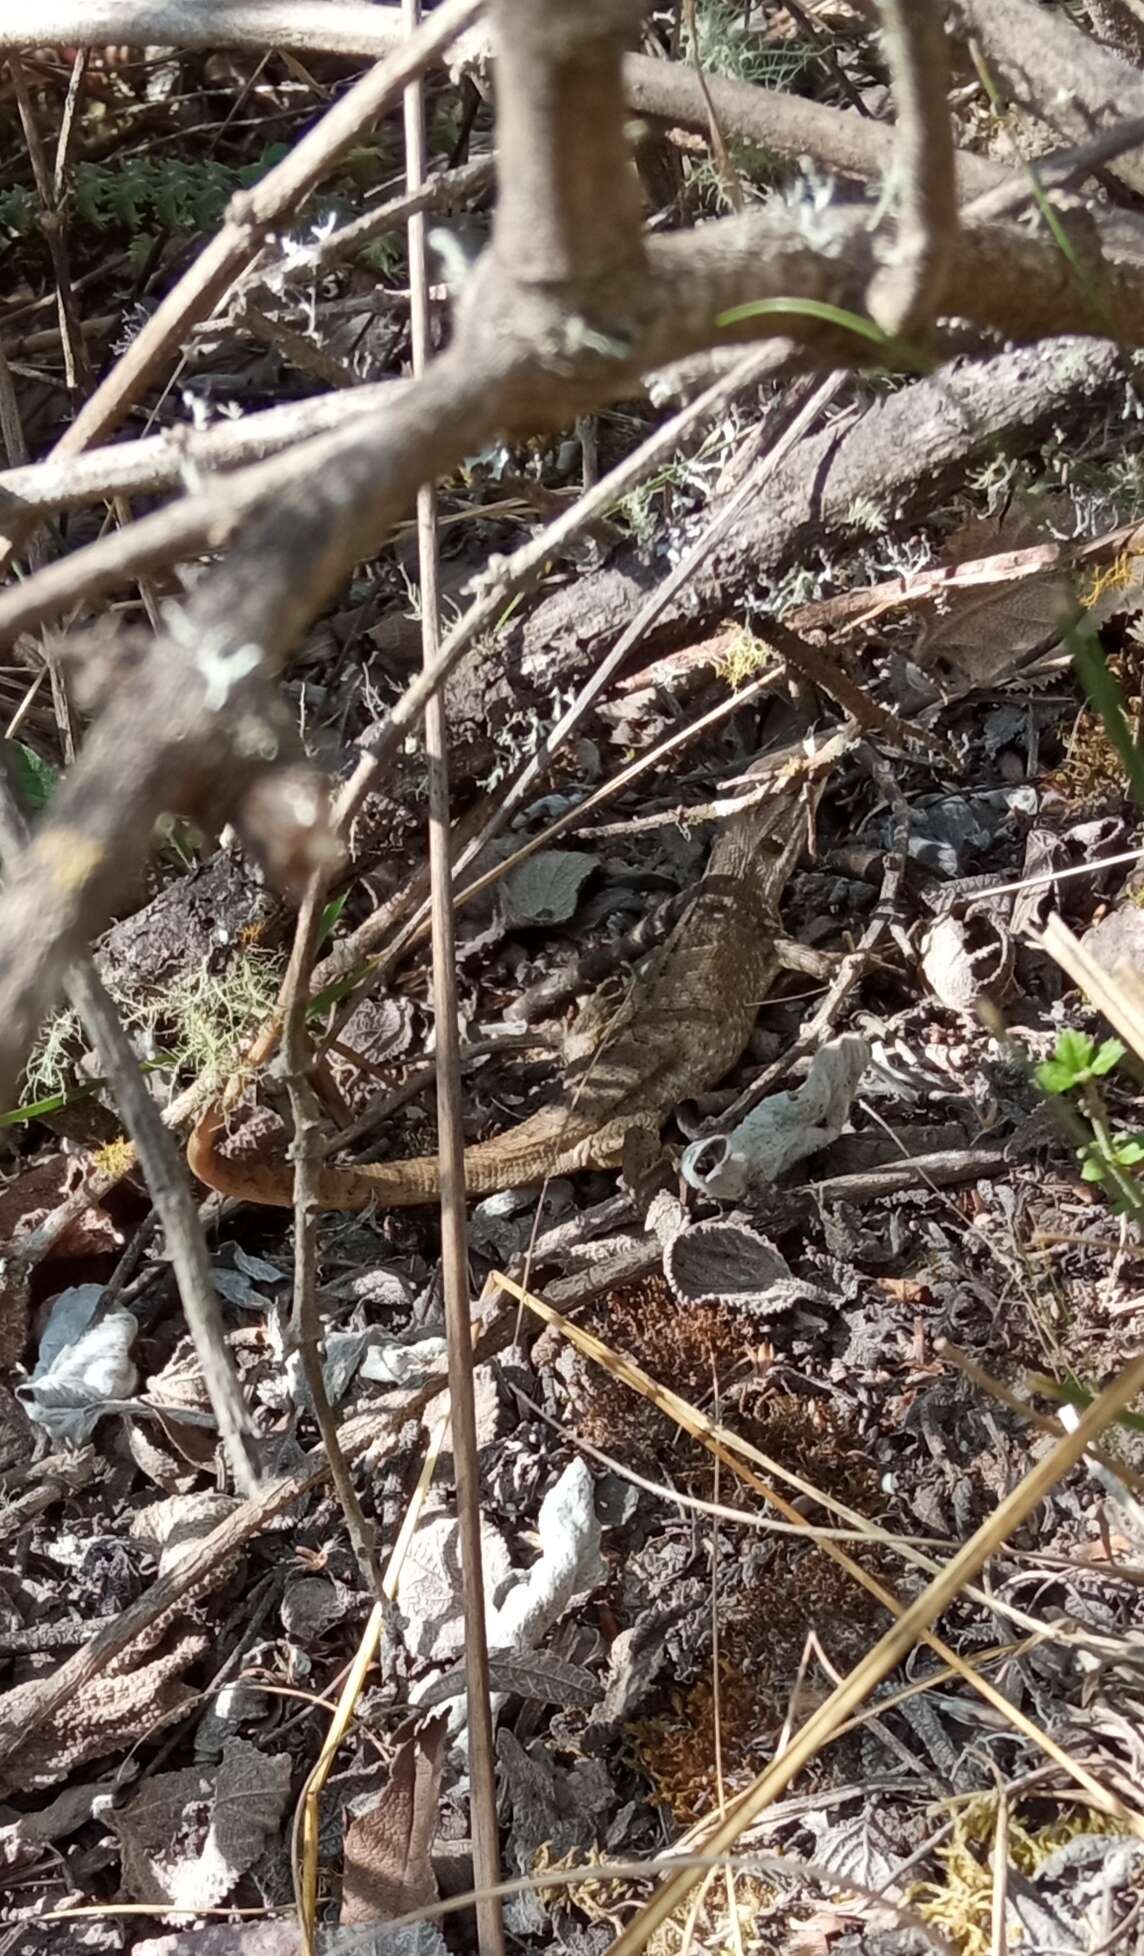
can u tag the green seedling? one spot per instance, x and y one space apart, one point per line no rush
1077 1060
1077 1065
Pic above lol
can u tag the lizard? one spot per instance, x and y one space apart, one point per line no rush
683 1022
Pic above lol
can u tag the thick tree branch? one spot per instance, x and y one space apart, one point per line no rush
250 216
346 27
569 209
1057 73
545 356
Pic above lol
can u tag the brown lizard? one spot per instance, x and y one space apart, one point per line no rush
682 1024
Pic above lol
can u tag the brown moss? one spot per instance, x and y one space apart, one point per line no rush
1092 770
687 1348
763 1638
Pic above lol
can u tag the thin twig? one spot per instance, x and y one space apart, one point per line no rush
450 1135
77 370
728 175
829 59
170 1191
306 1317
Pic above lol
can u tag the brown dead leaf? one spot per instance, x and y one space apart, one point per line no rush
25 1202
985 634
387 1866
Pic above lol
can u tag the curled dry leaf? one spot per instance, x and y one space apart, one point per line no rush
965 959
115 1711
388 1871
84 1363
725 1261
782 1129
175 1527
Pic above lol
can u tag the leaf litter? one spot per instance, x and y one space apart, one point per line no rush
648 1655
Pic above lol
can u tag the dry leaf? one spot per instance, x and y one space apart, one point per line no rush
188 1836
175 1527
114 1711
983 636
388 1871
964 960
784 1128
83 1363
544 890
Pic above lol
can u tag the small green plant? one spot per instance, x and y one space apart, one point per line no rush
17 212
204 1016
865 514
50 1071
1077 1060
728 47
179 193
33 778
1077 1065
638 511
183 195
641 508
382 255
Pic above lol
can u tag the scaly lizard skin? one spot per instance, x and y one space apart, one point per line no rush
683 1023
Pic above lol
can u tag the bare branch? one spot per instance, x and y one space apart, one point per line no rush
251 215
569 203
1058 74
450 1131
790 125
905 297
181 454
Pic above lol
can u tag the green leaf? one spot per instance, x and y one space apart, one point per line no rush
851 322
1092 1169
330 916
33 1110
1107 1056
1128 1153
33 778
897 351
1053 1077
1075 1050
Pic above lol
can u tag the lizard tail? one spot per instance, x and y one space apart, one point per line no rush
554 1142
